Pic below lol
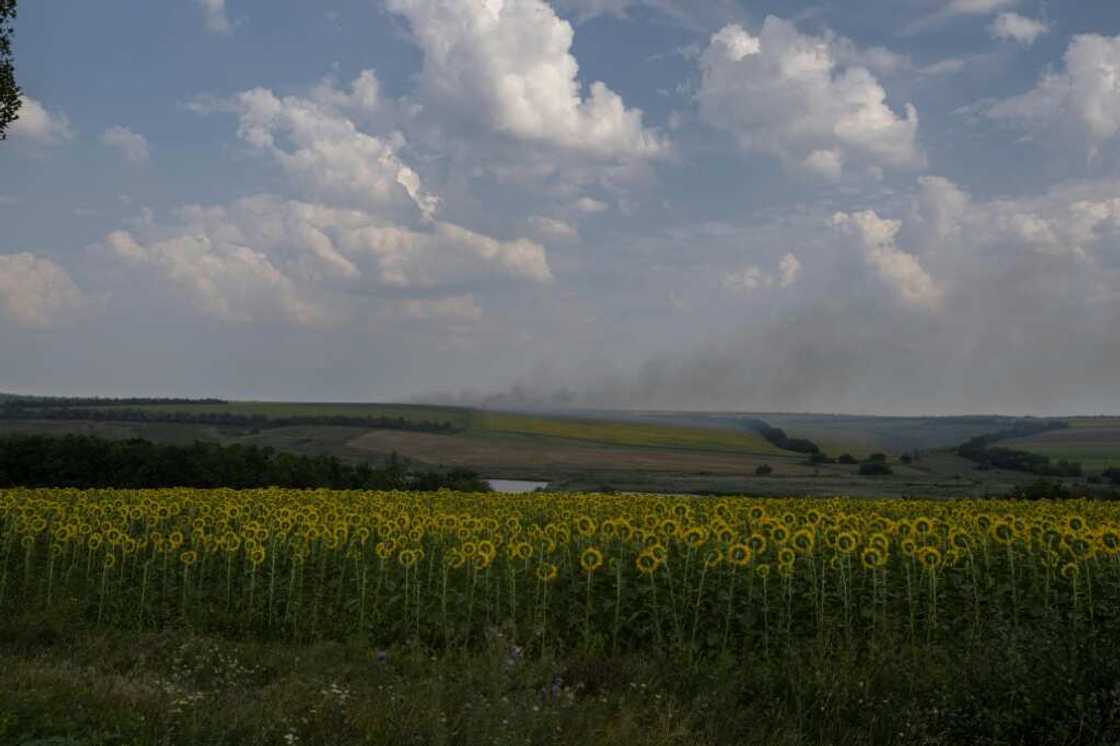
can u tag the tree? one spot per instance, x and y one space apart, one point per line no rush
764 470
9 92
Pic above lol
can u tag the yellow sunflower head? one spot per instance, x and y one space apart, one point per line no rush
591 560
739 555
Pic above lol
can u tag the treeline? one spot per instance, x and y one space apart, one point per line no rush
778 438
16 410
98 401
87 461
981 450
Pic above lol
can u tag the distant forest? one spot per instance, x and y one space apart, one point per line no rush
86 461
123 410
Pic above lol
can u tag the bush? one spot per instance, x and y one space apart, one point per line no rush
874 469
877 458
846 458
764 470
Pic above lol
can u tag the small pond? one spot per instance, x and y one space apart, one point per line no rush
514 485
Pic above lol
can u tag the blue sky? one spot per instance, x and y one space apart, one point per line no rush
894 206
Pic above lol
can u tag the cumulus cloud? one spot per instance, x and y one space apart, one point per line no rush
1014 27
133 146
324 150
752 277
38 125
1083 100
508 65
900 270
214 14
35 291
263 258
787 94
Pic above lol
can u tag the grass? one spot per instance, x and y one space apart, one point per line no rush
61 686
627 434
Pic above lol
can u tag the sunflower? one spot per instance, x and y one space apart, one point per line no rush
1002 533
1071 571
847 542
930 558
547 572
873 558
695 537
647 562
739 555
188 557
586 525
713 558
804 541
763 571
591 560
786 556
454 559
756 543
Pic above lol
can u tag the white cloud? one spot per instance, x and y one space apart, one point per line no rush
786 93
1080 221
133 146
311 264
325 151
590 205
899 269
954 9
553 227
36 291
37 124
507 64
788 270
1014 27
752 277
1083 99
214 13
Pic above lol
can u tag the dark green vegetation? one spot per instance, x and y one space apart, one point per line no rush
217 413
96 688
9 91
85 461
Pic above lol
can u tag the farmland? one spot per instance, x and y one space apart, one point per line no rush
1093 441
563 603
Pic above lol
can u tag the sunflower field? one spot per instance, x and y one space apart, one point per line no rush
600 573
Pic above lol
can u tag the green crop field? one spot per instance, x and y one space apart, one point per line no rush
628 434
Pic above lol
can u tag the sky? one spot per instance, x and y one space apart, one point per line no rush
885 207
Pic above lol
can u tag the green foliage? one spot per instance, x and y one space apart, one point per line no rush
86 461
9 90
